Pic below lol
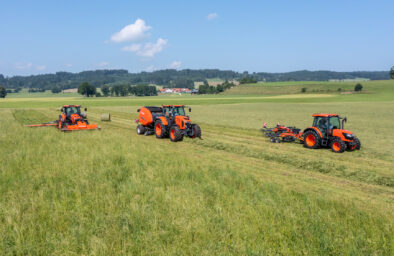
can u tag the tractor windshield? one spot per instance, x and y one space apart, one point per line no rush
73 110
179 111
166 111
335 123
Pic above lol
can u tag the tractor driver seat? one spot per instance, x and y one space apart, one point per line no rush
322 125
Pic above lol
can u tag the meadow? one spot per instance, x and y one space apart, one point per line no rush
112 192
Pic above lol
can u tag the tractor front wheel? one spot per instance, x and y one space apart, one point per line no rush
196 131
160 130
358 143
337 145
176 134
355 146
311 140
140 129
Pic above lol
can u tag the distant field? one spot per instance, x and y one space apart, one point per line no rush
311 87
24 93
111 192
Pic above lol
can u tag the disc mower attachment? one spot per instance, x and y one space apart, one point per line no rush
70 119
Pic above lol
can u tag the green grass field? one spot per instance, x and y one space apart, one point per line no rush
111 192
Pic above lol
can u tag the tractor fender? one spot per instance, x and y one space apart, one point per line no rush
163 120
315 130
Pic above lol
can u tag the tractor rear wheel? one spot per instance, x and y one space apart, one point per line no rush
337 145
176 134
311 140
160 130
140 129
196 131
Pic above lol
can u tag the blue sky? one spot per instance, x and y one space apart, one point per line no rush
268 36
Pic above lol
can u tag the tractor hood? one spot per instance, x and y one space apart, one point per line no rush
345 135
341 131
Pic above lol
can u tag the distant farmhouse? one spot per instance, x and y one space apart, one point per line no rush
178 90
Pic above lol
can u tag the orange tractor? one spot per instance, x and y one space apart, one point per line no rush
327 131
167 121
71 119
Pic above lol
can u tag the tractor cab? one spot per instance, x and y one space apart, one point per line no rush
328 123
174 110
68 110
176 115
73 112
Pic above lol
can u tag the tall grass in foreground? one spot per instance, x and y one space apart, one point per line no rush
112 192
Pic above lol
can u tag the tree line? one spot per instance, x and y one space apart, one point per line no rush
210 89
171 78
90 90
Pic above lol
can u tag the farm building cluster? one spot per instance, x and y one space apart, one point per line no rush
178 90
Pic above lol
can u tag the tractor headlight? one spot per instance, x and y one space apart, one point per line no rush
348 136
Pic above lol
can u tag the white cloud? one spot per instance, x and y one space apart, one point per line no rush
149 50
131 33
212 16
132 48
41 67
102 64
22 65
69 65
175 64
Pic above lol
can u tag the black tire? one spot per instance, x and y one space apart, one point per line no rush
277 140
288 139
196 131
358 143
337 145
163 132
140 129
355 146
272 139
307 140
176 134
61 122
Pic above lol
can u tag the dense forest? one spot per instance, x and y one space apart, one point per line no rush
172 78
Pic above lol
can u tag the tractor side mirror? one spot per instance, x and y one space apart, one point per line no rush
86 109
190 109
62 109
